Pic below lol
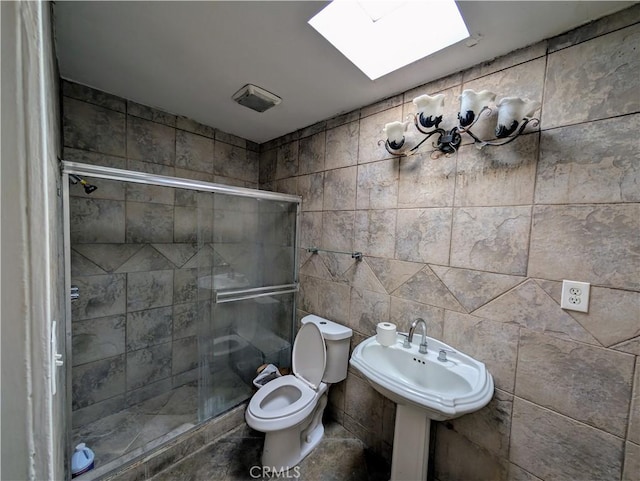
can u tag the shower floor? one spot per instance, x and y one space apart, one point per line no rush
127 433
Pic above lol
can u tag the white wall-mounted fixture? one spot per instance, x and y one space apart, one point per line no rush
256 98
513 116
575 296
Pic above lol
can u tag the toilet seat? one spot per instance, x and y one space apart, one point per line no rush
281 397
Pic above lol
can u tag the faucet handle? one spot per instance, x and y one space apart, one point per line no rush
442 355
423 346
406 344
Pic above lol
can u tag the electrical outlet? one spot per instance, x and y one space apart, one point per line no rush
575 296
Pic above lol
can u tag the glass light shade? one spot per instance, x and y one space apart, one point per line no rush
429 105
471 103
395 131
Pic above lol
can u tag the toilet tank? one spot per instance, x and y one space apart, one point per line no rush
336 338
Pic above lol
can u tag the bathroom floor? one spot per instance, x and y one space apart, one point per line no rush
236 456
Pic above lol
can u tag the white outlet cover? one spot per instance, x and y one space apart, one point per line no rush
575 296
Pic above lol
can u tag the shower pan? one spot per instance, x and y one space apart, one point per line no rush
181 289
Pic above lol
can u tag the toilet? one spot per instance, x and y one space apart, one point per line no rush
289 409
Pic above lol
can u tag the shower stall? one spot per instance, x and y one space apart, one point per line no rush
179 291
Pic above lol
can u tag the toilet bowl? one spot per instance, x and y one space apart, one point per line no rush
289 409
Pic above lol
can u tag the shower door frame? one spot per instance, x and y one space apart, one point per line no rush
109 173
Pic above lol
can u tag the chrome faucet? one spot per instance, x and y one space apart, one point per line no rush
423 344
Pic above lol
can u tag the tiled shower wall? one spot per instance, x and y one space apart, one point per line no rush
135 255
478 244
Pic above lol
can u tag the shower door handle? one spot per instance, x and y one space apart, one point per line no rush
75 293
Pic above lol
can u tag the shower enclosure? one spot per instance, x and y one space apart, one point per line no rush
180 289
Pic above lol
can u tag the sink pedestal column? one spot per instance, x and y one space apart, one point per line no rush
410 444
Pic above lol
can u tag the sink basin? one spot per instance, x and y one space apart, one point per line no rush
444 389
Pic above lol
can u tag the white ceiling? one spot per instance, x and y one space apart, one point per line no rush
189 58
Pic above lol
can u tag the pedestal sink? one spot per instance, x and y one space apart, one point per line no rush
441 384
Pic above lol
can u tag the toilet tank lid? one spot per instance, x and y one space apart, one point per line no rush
331 331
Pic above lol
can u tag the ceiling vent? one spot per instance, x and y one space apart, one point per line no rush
256 98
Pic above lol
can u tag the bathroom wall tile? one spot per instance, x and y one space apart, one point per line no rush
375 232
185 225
146 259
604 25
150 141
185 320
552 446
603 259
151 193
185 354
631 462
381 105
267 165
97 97
185 285
286 160
392 273
148 391
287 186
149 327
512 59
342 119
148 365
311 154
231 161
108 256
340 189
148 222
333 301
178 254
488 427
494 239
493 343
149 113
367 309
360 276
337 230
479 464
475 288
632 346
194 152
426 182
593 385
231 139
107 189
337 264
96 381
589 163
363 404
81 266
96 411
97 339
90 127
100 296
427 288
194 175
311 188
146 290
529 306
434 87
402 312
192 126
633 434
504 176
96 220
342 146
607 325
606 66
423 235
308 294
378 185
371 131
516 473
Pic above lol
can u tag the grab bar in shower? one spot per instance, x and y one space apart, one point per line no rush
354 255
232 295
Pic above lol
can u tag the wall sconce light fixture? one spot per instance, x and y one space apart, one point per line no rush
514 114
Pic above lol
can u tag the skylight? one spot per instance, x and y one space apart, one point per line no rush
382 36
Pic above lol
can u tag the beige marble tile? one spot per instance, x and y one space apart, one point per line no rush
337 230
286 160
590 384
333 301
392 273
367 309
338 264
528 305
312 154
424 235
516 473
494 239
479 464
375 232
361 276
364 404
427 288
512 59
314 267
607 67
192 126
310 229
82 92
149 113
493 343
371 132
151 142
342 146
232 161
308 294
378 185
633 434
631 346
589 163
552 446
381 106
609 253
499 176
311 188
267 161
631 470
426 182
340 189
403 312
436 86
475 288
